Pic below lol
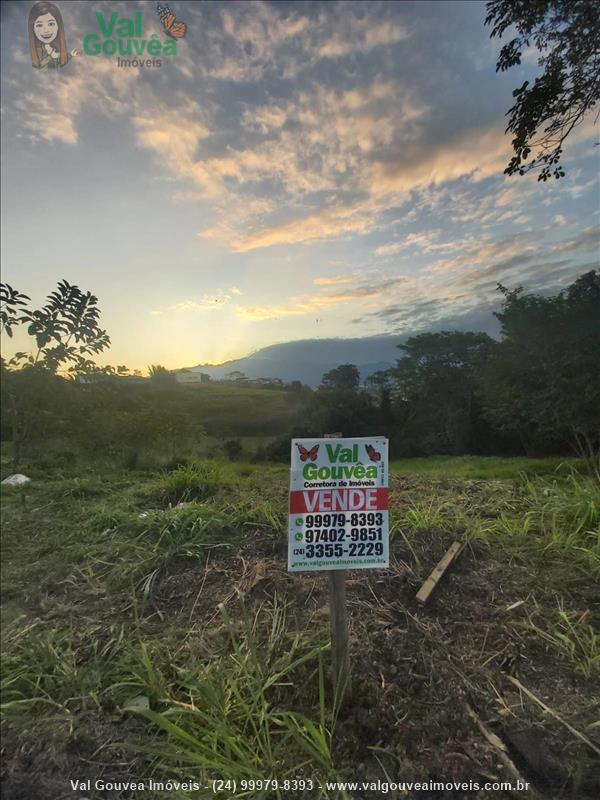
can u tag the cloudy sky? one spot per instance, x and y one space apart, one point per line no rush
297 170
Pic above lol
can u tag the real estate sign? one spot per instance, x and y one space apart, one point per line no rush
338 513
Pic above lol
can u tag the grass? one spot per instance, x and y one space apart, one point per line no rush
229 716
480 467
115 634
232 411
574 637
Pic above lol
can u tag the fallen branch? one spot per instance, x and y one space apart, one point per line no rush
502 753
432 581
548 710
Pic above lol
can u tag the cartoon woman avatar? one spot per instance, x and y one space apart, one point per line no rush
47 37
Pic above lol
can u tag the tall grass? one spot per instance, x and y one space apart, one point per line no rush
551 519
242 715
574 637
196 481
46 667
483 467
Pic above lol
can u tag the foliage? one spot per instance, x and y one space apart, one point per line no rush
66 332
196 481
136 423
543 380
337 406
65 329
436 391
161 376
575 638
344 378
349 412
554 522
234 726
566 33
233 449
11 305
479 468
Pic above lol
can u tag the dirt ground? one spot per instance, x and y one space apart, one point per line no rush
439 691
458 690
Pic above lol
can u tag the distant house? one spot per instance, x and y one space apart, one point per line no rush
187 376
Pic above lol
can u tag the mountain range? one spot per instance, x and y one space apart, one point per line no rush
306 360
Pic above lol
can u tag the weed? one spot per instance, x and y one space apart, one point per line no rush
231 720
425 515
482 467
196 481
573 635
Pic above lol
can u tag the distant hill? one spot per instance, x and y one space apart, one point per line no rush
307 359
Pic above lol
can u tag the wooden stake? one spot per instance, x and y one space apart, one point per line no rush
340 654
338 612
432 581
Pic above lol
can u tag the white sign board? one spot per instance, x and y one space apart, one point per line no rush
338 512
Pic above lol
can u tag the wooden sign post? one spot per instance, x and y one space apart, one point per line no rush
340 653
338 620
338 520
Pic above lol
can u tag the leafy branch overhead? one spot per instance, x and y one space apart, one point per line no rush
10 308
566 34
66 329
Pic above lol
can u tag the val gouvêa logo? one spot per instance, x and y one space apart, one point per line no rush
115 36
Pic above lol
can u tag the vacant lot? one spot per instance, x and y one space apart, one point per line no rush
150 629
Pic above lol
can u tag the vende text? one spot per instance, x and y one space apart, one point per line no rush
319 500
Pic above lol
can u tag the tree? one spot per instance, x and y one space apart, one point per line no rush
346 377
381 384
566 33
436 384
351 412
66 333
161 377
544 382
12 305
65 329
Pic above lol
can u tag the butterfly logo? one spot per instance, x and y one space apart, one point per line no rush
308 455
372 453
174 27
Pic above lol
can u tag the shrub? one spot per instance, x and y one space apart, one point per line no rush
233 449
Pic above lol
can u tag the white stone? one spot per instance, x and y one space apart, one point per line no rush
16 480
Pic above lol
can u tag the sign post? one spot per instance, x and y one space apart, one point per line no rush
338 625
338 520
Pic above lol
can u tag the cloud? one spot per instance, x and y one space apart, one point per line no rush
389 249
356 34
366 290
262 313
174 136
246 42
587 241
578 189
295 136
311 228
217 301
49 112
478 153
334 280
